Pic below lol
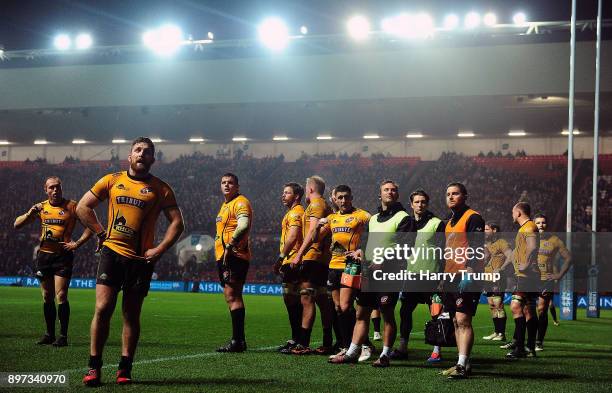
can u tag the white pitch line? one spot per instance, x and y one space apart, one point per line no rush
166 359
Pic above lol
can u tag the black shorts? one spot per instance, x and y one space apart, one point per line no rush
547 289
314 272
416 297
289 275
465 302
377 299
493 289
48 264
123 273
333 279
235 271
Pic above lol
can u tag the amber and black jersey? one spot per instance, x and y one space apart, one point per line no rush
133 208
56 225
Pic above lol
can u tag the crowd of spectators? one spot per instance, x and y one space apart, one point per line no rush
195 179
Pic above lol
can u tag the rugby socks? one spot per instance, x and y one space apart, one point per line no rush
126 363
403 347
50 313
328 338
344 320
63 313
553 312
376 323
532 331
295 319
542 327
95 362
336 326
305 336
238 324
385 351
354 350
436 349
519 332
462 360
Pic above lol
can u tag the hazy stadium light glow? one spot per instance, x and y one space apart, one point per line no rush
407 25
78 141
472 20
84 41
414 135
210 35
198 247
62 42
517 133
164 41
371 136
41 142
566 132
324 137
358 27
4 142
303 30
465 134
117 141
451 22
196 140
519 19
273 33
239 139
280 138
489 19
156 140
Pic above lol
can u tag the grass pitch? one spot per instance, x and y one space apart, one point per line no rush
180 332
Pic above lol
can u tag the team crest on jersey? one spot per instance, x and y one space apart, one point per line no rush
61 213
349 220
146 190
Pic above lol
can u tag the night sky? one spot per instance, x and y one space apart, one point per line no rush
32 24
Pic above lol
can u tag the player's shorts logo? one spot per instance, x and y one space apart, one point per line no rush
459 302
384 299
103 276
39 273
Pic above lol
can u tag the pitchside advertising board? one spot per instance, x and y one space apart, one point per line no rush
582 301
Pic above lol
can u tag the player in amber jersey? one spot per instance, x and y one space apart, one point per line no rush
550 247
54 258
312 259
524 297
346 227
497 252
290 242
127 250
233 254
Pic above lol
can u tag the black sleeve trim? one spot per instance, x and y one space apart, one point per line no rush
96 195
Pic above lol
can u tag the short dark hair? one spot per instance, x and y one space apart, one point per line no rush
143 139
460 186
230 174
387 181
524 207
296 188
421 193
541 215
342 188
494 225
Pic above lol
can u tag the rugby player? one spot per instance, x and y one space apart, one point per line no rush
55 255
550 247
127 251
290 242
390 219
346 227
497 252
233 254
430 230
312 259
460 298
525 260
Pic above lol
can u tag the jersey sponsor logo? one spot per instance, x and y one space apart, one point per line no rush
342 229
53 221
49 236
121 187
46 212
125 200
120 226
146 190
